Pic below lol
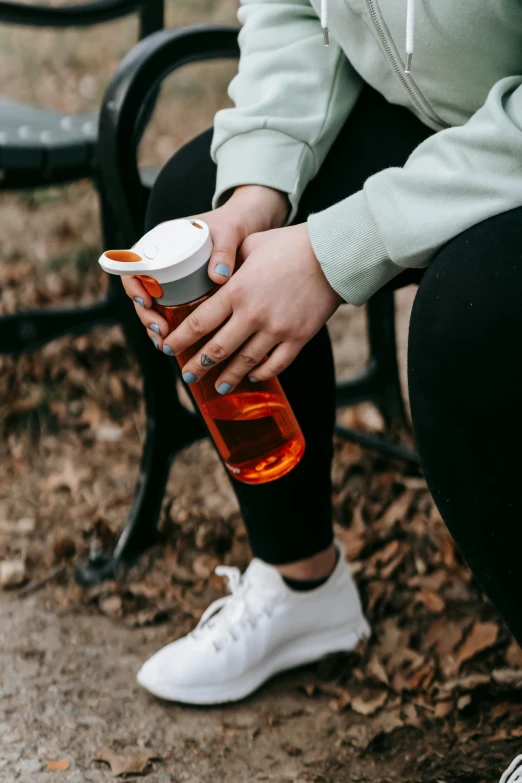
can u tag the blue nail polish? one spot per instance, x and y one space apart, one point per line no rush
224 388
155 342
168 350
252 379
222 269
189 377
139 300
154 328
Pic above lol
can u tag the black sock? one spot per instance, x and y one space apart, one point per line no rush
303 585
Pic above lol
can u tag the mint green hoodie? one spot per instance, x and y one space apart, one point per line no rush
293 94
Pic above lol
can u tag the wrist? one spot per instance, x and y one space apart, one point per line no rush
262 208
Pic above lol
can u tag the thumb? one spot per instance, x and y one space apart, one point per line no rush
226 240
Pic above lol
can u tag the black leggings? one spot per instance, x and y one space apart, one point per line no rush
464 365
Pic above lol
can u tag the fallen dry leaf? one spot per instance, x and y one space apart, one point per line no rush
469 683
481 636
69 477
291 750
109 433
396 511
111 605
204 565
433 602
354 537
12 573
370 705
506 734
511 678
514 655
444 635
131 764
443 709
63 546
464 701
20 527
381 557
343 700
58 766
376 670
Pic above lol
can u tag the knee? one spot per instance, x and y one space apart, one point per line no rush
465 328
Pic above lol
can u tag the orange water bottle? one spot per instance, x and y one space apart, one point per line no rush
253 427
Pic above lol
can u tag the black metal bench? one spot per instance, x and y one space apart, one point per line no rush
39 147
170 427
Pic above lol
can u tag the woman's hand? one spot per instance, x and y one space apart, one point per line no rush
250 209
278 299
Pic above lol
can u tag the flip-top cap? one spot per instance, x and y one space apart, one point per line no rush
175 254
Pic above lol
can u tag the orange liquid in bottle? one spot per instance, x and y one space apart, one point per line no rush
254 427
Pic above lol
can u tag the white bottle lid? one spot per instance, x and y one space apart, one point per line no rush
169 252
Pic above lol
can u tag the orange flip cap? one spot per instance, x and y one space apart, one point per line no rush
151 286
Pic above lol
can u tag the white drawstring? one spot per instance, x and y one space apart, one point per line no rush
514 768
410 30
324 22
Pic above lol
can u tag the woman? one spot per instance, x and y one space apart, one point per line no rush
351 162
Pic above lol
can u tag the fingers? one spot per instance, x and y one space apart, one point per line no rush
153 322
250 244
136 291
250 355
222 345
156 340
157 327
278 361
226 238
205 318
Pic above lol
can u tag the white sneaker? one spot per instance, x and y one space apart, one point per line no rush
513 773
262 628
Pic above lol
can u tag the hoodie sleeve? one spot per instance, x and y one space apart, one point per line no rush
292 95
455 179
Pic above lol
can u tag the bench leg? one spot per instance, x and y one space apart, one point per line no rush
379 383
170 428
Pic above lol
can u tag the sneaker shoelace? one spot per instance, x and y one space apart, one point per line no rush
240 609
513 773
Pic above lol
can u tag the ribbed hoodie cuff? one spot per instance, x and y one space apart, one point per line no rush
263 157
349 248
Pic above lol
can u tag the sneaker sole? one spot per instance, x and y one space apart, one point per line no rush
306 649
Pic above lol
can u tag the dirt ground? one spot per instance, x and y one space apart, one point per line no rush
436 694
68 690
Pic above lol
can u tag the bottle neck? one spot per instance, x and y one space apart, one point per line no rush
176 314
188 289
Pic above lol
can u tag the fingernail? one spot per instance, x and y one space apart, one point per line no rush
154 328
224 388
252 379
139 300
155 341
168 350
222 269
189 377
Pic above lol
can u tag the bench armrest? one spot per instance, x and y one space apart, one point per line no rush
68 16
125 111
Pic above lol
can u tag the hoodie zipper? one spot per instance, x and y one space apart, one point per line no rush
398 68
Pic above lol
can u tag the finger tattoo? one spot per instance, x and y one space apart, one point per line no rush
206 361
